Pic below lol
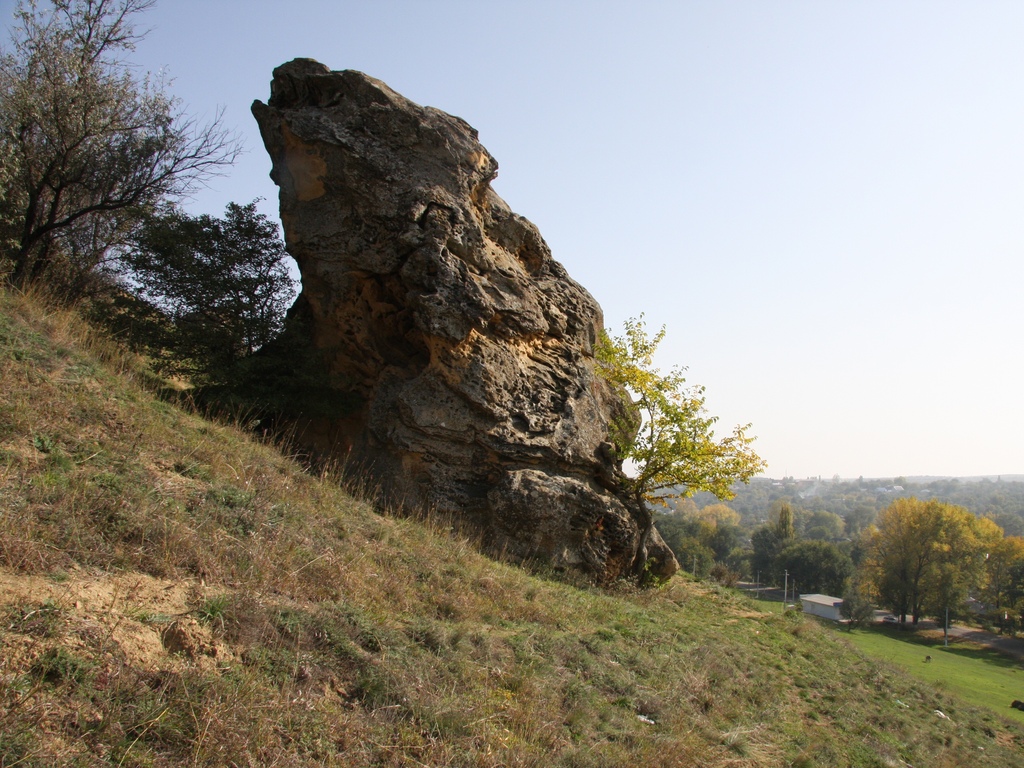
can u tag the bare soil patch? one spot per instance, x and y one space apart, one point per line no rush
144 621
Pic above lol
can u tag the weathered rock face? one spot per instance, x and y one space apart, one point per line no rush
468 347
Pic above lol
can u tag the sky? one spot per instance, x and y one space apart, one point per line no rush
821 202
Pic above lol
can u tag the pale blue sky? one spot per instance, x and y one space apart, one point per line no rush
821 200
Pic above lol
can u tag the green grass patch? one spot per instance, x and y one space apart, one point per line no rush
982 676
768 606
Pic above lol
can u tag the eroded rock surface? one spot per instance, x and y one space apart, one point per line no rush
441 313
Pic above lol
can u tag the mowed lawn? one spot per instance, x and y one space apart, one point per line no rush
979 675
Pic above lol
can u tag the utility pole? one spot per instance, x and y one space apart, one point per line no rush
785 592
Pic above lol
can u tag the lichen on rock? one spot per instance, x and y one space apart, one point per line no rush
441 312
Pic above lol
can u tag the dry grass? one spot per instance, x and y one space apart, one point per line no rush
309 630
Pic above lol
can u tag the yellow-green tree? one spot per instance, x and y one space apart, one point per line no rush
675 452
926 555
718 515
1004 563
965 543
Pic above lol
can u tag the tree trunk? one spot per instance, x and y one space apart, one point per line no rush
645 523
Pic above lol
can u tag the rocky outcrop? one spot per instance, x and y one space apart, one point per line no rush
466 349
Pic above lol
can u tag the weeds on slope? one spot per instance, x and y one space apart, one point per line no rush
317 632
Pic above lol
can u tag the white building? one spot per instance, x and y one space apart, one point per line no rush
822 605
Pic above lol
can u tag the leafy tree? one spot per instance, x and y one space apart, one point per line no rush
816 566
769 540
739 560
718 529
87 146
926 555
766 546
718 515
1004 568
857 606
714 533
693 556
1012 523
724 539
858 518
964 545
784 525
678 529
675 451
221 283
901 553
824 526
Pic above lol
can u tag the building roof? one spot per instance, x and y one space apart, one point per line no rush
821 599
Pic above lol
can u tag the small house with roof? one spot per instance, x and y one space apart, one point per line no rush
826 606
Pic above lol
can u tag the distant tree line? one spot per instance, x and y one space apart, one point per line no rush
915 556
858 502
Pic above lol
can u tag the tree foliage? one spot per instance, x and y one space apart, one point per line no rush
718 515
675 452
857 607
220 285
766 546
816 566
768 541
926 555
859 501
87 147
784 524
824 526
715 534
1004 569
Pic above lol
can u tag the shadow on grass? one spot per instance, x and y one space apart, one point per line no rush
961 647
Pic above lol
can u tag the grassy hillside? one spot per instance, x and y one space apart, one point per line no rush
173 592
980 675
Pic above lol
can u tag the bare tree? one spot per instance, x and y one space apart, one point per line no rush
88 147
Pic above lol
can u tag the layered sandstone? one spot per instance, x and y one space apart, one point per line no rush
441 313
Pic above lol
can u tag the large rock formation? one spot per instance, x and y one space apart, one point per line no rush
467 348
